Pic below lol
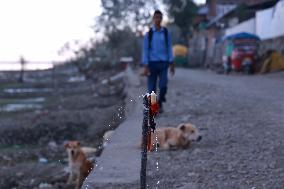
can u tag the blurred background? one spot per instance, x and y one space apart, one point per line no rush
57 56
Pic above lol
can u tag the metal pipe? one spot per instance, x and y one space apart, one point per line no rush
145 128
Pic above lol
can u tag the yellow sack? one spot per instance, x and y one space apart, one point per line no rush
275 62
180 50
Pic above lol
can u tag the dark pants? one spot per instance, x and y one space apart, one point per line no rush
158 70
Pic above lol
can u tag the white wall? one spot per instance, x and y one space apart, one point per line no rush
270 22
247 26
263 19
267 24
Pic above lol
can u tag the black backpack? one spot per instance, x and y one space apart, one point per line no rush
150 36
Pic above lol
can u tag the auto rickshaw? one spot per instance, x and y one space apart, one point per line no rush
242 51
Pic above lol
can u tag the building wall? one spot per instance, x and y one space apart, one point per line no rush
269 22
269 25
272 44
197 48
247 26
211 33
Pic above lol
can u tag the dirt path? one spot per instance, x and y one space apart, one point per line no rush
242 122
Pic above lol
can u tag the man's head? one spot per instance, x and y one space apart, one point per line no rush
157 18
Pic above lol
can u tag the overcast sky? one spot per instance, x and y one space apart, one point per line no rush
200 1
37 29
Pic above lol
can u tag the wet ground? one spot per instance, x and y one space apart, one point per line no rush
48 109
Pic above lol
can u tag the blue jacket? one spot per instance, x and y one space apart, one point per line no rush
158 51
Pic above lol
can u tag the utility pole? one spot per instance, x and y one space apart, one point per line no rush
22 62
212 5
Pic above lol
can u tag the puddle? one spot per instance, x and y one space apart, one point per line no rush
27 90
32 103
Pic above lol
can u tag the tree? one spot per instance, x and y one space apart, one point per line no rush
183 13
122 22
118 14
123 42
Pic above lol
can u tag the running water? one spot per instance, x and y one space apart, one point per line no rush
157 163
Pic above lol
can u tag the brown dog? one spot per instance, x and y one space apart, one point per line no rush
190 132
180 137
79 166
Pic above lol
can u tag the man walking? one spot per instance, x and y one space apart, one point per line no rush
158 57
